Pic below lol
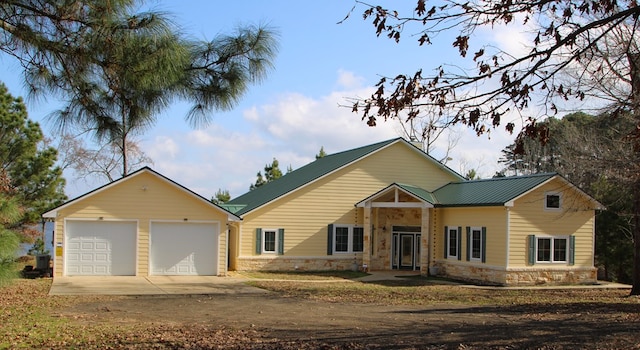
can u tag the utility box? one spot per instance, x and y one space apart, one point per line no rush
42 262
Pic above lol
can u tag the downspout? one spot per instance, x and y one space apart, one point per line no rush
508 242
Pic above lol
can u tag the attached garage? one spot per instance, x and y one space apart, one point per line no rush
184 248
101 248
140 225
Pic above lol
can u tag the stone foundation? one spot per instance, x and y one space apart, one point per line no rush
281 263
518 277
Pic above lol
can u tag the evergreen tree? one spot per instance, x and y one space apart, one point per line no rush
321 154
221 197
9 239
29 166
272 172
117 69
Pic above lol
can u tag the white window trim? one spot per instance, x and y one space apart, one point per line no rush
479 229
553 193
458 235
264 241
350 228
552 238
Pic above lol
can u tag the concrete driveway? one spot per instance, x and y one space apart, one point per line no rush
151 285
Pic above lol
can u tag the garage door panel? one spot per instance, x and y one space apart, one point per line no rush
184 248
100 248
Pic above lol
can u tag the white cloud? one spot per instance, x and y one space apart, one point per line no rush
163 147
292 128
348 80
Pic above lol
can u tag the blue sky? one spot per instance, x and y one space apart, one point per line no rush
295 111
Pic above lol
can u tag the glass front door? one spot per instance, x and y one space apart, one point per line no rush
406 251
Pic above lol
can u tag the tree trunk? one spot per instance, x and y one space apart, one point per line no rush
125 166
636 238
634 64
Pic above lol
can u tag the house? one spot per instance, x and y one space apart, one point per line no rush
142 224
384 206
390 206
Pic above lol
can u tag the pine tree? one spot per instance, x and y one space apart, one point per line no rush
221 197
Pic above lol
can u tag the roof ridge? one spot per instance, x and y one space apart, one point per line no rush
513 177
301 176
372 145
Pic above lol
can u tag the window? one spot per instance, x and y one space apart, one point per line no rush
552 201
342 239
452 242
552 249
476 243
345 239
269 241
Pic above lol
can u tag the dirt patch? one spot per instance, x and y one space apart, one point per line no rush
299 321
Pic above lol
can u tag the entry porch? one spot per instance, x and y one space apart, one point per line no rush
397 230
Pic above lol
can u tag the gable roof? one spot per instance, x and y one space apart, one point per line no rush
501 191
421 194
488 192
53 212
312 172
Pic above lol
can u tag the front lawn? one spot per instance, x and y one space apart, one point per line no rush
32 319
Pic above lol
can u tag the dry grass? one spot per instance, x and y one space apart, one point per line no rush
302 275
30 318
431 292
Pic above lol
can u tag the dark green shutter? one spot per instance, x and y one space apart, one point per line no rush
483 252
258 241
532 249
468 243
572 250
459 243
446 242
280 241
330 239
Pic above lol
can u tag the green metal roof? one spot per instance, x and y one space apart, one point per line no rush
496 191
232 208
420 193
302 176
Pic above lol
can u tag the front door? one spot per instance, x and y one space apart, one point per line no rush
406 249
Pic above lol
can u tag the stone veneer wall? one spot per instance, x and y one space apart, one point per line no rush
383 221
298 263
517 277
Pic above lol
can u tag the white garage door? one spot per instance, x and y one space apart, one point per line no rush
180 248
102 248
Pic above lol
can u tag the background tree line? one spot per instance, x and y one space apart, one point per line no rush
594 153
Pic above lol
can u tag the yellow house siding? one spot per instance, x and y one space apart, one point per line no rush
493 218
143 197
529 217
305 213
